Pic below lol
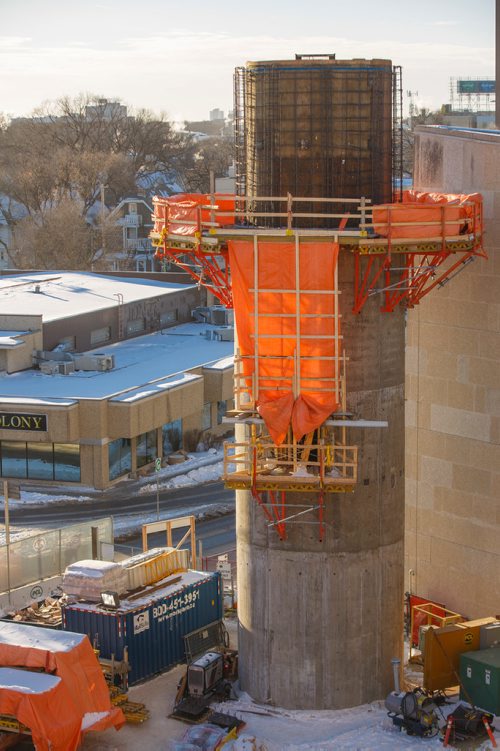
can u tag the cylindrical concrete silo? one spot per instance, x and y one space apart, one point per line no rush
320 621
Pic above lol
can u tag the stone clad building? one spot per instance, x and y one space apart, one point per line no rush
453 396
100 376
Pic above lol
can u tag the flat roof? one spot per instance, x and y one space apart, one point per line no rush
63 294
144 366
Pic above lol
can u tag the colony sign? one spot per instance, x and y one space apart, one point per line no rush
21 421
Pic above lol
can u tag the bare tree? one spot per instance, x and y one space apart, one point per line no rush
53 167
212 155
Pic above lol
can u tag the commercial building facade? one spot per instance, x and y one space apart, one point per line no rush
97 417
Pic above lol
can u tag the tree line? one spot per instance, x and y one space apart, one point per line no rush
57 165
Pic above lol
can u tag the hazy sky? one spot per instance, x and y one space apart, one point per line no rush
178 57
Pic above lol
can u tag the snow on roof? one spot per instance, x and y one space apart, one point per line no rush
27 682
144 366
69 293
9 339
150 389
36 637
155 593
226 362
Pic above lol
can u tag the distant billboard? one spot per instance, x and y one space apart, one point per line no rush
475 87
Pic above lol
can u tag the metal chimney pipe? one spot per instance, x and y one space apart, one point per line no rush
396 662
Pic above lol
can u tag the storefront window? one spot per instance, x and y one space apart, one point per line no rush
67 462
146 448
206 417
172 436
119 457
221 411
14 459
40 461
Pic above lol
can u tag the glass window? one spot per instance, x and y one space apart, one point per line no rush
119 457
169 316
206 416
135 327
172 436
14 459
146 448
100 335
221 411
40 461
67 462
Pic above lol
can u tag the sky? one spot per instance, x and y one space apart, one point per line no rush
178 57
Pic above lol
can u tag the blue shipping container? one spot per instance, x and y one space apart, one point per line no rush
152 627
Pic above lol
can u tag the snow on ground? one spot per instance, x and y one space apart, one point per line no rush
200 467
365 728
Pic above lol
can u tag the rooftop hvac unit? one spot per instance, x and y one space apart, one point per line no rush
99 362
49 367
66 367
226 334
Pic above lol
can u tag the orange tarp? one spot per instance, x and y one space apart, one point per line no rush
40 702
291 358
171 212
427 215
67 655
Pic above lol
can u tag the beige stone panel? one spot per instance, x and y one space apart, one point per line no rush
424 501
415 360
495 482
452 501
465 589
93 419
410 414
410 492
461 341
484 372
212 385
460 422
489 343
456 448
435 472
461 395
495 430
485 510
433 388
484 288
411 466
484 456
472 480
492 401
480 398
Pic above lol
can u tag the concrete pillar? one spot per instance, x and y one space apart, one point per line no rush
320 621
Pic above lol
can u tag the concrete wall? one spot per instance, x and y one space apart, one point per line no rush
320 621
453 397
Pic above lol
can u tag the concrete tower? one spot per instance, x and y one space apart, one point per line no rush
320 621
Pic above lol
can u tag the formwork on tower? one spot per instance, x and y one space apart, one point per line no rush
290 365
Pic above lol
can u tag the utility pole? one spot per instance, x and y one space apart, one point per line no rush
103 218
412 108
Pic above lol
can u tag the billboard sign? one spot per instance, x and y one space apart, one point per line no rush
468 86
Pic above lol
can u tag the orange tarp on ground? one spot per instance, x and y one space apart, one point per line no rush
292 356
67 655
171 212
40 702
427 215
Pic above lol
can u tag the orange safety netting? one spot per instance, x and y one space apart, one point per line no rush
288 330
71 658
181 214
426 215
